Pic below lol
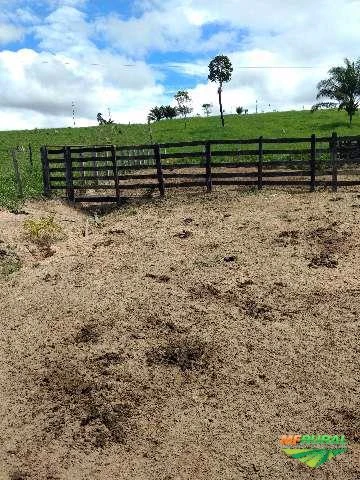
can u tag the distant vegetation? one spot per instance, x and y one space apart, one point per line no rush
343 86
207 108
183 101
164 112
220 71
242 110
101 120
168 112
341 90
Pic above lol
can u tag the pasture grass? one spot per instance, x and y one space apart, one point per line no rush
268 125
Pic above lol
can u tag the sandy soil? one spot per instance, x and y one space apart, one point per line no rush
180 338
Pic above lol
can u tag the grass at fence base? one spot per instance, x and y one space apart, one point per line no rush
268 125
31 182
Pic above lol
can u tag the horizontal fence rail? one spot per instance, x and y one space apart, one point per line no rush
306 161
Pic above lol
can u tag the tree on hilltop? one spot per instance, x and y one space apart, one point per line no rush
207 107
220 70
183 100
155 114
101 120
158 113
169 112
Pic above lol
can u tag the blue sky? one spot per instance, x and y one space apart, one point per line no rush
133 55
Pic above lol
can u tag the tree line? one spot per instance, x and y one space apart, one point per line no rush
168 112
340 90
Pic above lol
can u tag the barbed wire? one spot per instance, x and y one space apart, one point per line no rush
180 66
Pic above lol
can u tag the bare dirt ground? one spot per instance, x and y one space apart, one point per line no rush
180 338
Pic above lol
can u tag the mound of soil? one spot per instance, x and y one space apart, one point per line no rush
140 350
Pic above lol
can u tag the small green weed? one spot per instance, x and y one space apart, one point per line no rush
246 192
129 211
9 262
43 231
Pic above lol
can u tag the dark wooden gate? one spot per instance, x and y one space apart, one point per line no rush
105 173
78 170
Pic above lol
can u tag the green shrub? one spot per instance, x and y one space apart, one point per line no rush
43 231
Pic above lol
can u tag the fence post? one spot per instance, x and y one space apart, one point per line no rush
116 175
69 175
312 162
208 166
260 164
31 157
82 174
333 158
45 171
157 155
94 166
17 173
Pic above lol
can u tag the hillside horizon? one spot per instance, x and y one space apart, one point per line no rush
279 124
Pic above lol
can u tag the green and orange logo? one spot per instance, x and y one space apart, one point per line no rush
313 450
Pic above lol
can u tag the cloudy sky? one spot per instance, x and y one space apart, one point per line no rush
130 55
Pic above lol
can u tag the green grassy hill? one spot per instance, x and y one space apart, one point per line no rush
269 125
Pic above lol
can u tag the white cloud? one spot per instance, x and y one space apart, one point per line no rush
65 29
279 34
275 89
294 33
170 27
10 33
161 31
61 3
45 91
41 86
12 23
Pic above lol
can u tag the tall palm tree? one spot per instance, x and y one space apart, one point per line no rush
343 86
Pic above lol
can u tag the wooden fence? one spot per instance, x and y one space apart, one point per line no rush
259 162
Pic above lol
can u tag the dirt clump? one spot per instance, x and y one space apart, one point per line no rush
186 354
87 333
183 234
346 421
329 238
158 278
325 259
288 237
82 396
